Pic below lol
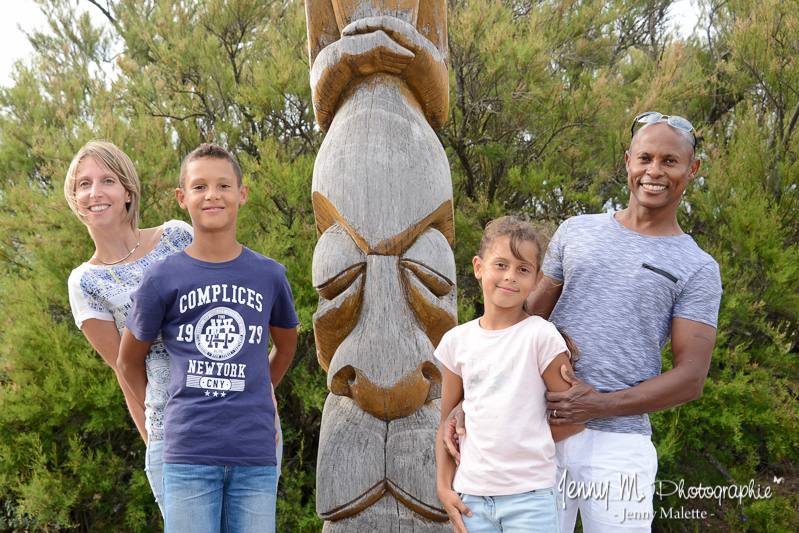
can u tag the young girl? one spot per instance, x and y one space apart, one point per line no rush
501 365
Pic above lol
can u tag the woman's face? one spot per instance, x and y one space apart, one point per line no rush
102 199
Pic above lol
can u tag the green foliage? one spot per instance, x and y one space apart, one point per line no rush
541 99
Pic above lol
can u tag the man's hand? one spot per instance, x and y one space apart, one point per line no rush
454 425
455 508
577 405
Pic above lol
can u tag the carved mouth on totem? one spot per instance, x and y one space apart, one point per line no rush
377 459
399 400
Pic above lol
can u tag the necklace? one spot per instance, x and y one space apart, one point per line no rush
117 262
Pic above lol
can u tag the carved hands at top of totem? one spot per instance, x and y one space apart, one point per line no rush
358 39
383 265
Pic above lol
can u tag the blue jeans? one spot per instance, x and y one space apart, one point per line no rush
198 498
536 511
154 468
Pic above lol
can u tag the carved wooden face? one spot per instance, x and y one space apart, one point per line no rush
383 308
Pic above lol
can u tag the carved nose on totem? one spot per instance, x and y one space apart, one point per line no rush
402 399
386 364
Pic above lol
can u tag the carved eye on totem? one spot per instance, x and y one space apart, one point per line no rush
428 270
339 265
332 288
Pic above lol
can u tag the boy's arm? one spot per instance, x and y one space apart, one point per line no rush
555 383
451 394
132 352
284 346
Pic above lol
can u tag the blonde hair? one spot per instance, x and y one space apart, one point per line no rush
108 155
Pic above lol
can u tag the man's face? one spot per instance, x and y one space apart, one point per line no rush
660 163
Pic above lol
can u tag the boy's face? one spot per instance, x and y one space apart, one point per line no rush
212 194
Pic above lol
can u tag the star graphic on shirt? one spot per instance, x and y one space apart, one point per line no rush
223 395
216 393
207 393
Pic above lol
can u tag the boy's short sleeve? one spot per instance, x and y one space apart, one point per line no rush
553 261
147 309
283 314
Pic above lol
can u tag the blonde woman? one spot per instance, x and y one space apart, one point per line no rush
103 190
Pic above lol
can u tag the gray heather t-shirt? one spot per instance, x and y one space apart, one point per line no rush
621 290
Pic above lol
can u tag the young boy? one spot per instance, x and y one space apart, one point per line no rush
217 304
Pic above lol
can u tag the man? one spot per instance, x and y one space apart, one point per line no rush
622 285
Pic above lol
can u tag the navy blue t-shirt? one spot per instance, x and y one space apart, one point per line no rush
214 319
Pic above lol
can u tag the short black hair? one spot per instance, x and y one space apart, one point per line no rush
210 151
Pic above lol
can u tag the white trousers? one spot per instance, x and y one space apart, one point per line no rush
610 478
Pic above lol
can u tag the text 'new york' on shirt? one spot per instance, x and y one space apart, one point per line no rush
215 320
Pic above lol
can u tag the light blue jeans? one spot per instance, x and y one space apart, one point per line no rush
536 511
154 467
200 498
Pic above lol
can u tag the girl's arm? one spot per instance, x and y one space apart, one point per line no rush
555 383
104 337
451 394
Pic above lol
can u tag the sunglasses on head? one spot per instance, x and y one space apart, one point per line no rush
653 117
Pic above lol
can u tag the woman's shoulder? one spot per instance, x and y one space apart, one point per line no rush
175 236
177 228
77 275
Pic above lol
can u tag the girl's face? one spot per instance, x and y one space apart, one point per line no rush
507 280
102 199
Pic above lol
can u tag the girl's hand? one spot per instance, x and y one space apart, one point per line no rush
455 507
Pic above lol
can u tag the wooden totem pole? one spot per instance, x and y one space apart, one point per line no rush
383 266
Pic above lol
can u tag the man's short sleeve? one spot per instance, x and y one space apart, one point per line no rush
553 261
283 314
147 309
701 297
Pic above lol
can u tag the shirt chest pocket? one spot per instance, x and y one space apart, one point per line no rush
657 289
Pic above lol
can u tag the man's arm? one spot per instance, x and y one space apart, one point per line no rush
692 344
132 352
282 354
542 300
554 381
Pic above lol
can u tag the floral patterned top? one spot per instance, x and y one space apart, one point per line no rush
103 292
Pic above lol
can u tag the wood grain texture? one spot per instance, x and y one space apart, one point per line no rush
375 473
388 515
383 266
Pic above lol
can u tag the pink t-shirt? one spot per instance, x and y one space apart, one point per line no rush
508 448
